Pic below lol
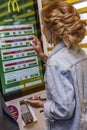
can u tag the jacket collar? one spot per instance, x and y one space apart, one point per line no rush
58 47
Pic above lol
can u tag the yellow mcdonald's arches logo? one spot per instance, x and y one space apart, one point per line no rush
13 6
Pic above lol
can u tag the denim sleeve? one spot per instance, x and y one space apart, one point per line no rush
61 88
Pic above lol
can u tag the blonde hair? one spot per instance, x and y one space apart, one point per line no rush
63 23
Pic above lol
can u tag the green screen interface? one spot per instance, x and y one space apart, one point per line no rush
20 66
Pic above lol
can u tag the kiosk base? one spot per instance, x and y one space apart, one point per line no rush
38 116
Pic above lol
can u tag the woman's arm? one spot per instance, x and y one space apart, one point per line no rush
60 87
43 57
37 46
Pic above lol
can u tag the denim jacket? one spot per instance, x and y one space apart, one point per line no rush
66 86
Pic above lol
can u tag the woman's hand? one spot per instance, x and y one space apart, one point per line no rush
35 103
37 45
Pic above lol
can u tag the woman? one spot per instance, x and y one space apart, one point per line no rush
66 68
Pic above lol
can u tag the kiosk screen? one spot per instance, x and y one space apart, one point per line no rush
20 66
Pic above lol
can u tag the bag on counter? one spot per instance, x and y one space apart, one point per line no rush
7 122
